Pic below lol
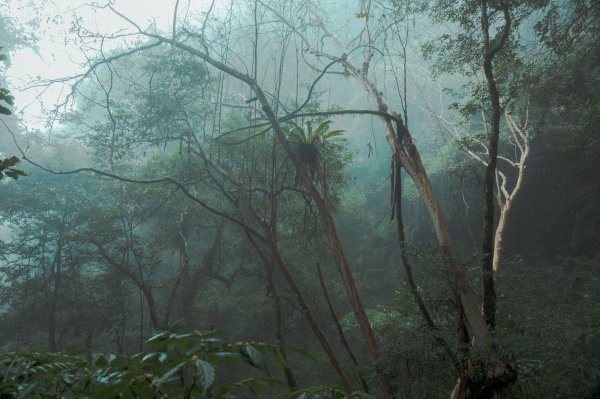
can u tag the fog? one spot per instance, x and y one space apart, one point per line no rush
387 199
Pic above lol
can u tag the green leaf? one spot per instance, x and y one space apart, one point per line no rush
158 337
169 374
280 358
184 336
14 173
149 356
206 372
254 356
5 111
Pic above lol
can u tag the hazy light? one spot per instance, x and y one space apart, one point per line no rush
58 53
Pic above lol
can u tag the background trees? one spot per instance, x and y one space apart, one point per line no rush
230 153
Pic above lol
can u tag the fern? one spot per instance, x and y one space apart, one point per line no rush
176 365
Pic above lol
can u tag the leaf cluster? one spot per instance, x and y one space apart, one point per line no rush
178 365
5 93
6 168
7 98
175 366
460 51
310 135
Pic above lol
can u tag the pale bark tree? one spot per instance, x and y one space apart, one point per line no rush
518 140
407 155
504 194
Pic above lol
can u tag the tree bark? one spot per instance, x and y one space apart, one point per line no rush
272 288
137 281
499 238
57 272
183 272
335 244
191 285
499 377
410 160
487 241
312 321
310 318
339 329
505 198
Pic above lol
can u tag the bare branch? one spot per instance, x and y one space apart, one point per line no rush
158 180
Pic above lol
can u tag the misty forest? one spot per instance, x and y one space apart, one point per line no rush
300 199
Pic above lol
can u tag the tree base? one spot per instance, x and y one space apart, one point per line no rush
496 384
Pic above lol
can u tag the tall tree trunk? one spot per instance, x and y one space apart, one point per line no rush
499 239
405 152
310 318
197 276
397 213
467 300
275 255
152 308
182 273
52 342
497 381
487 240
136 279
418 298
272 289
340 330
322 203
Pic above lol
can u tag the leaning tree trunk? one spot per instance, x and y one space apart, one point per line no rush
409 157
322 203
322 206
272 289
472 326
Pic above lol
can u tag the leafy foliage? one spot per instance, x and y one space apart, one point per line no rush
6 168
7 98
5 93
316 136
6 165
176 366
